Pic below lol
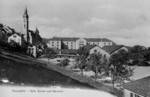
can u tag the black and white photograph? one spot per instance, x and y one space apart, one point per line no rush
74 48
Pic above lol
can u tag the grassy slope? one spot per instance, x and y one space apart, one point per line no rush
30 74
30 71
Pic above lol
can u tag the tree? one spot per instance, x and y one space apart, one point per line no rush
81 62
119 66
105 64
147 55
82 59
97 65
49 53
64 62
137 54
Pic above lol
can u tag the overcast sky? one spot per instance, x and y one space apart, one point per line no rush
123 21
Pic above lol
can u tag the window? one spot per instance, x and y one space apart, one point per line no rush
137 95
14 36
52 43
131 94
71 46
95 51
104 55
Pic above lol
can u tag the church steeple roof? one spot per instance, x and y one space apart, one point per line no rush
26 13
37 31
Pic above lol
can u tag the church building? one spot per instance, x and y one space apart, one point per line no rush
32 38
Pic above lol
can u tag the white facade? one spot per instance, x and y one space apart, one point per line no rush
128 93
106 43
97 49
70 44
30 38
55 44
80 43
32 50
100 43
16 38
76 43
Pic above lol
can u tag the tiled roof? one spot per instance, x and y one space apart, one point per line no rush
141 86
16 33
93 39
45 40
88 47
67 51
111 49
106 40
54 39
75 39
98 40
65 38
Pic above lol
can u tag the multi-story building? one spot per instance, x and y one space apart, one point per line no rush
76 43
54 43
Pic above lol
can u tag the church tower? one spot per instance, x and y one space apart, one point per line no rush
26 25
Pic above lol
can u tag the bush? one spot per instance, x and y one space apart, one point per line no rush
64 63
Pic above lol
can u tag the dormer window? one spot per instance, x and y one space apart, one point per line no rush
14 36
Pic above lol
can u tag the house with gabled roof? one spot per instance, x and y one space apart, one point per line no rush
15 37
138 88
73 53
96 49
114 49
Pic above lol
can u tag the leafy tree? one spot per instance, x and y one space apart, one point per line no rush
119 66
81 62
83 52
64 62
49 53
82 59
147 55
105 64
97 65
137 54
